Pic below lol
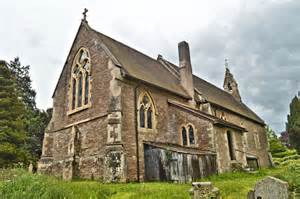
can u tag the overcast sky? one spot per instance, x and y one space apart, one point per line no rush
261 39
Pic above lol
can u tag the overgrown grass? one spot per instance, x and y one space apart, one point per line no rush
237 185
16 183
31 186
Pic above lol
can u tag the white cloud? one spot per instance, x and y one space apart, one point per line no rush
260 38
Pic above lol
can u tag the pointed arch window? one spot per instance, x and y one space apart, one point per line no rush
187 134
146 110
80 80
149 118
142 117
191 135
184 137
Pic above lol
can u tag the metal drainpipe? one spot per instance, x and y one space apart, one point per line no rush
136 134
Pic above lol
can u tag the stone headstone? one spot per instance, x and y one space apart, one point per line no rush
204 190
270 188
30 168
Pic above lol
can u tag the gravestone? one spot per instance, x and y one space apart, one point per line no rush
204 190
270 188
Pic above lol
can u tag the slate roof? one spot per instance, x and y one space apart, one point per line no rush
142 67
221 98
147 69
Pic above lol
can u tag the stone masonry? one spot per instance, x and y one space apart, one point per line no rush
106 139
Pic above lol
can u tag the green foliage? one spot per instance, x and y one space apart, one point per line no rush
22 125
12 111
23 81
35 186
277 149
36 123
16 183
293 124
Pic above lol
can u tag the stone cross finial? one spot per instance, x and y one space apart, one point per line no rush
84 14
226 63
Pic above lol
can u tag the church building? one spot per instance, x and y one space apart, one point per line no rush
120 116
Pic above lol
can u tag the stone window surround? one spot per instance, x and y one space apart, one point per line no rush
186 126
154 112
84 73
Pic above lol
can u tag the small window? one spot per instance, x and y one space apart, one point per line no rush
149 118
229 86
87 87
191 135
184 136
79 97
142 117
73 93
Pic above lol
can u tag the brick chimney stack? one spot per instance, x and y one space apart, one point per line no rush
185 67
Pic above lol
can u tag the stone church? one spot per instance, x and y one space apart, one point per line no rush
120 115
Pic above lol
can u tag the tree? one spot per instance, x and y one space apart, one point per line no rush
23 81
275 146
293 124
35 120
37 123
12 111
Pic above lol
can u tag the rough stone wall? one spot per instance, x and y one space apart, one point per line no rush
99 86
253 143
223 156
100 141
169 122
92 123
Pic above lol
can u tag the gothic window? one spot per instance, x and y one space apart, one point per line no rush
142 116
79 97
149 118
87 87
73 93
184 136
187 134
80 80
146 110
191 135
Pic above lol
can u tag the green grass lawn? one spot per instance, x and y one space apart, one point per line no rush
16 183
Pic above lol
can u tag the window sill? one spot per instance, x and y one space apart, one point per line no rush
193 146
146 129
76 110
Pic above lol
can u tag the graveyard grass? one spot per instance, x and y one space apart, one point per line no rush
17 183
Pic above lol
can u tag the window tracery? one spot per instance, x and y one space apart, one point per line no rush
146 110
187 135
80 80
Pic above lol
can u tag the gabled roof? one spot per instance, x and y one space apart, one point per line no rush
223 99
219 97
142 67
